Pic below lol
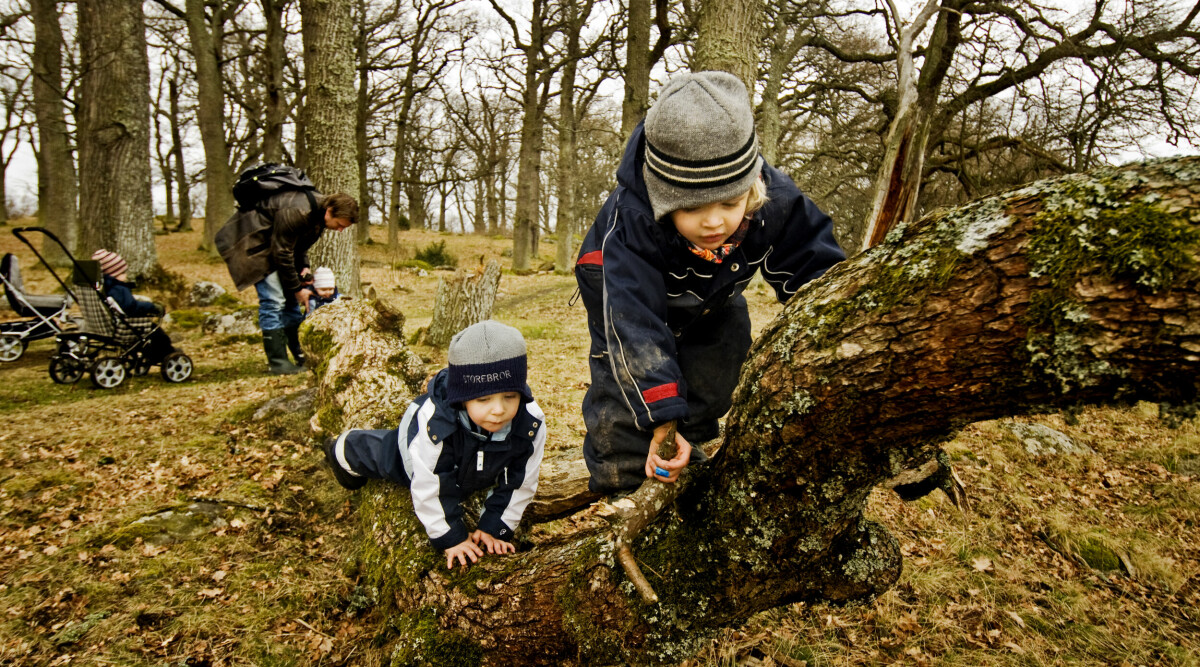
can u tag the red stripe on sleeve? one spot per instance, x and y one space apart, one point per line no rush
593 257
660 392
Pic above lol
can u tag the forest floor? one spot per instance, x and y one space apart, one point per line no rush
1085 558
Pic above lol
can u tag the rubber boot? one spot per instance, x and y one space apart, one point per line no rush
293 343
275 345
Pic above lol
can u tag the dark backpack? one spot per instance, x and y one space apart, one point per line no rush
256 184
244 241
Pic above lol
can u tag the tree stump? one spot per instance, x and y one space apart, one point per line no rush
366 380
462 300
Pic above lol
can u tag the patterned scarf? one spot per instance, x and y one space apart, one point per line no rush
718 255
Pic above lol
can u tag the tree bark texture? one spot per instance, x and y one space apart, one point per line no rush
1078 290
181 180
529 173
362 231
728 33
329 125
275 113
362 340
210 116
568 123
462 300
114 133
637 66
58 188
898 182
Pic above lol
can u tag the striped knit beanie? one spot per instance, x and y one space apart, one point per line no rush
486 358
701 146
111 264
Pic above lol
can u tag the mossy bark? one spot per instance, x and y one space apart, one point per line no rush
860 377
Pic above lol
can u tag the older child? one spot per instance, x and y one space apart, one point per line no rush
477 426
696 212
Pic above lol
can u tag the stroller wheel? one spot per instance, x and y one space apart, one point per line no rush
176 367
139 367
11 347
66 369
108 372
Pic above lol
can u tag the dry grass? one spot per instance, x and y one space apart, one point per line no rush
1008 583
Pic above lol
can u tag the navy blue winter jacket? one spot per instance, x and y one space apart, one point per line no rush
123 297
654 287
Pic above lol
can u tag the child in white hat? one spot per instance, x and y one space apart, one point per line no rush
325 289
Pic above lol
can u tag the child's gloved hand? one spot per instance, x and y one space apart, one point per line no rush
654 462
494 545
462 552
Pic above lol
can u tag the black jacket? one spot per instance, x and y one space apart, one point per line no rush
653 287
275 236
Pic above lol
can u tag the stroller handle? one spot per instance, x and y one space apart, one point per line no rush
20 232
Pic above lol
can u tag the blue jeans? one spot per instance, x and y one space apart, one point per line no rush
276 310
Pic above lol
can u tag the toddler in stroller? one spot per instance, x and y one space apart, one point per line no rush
121 334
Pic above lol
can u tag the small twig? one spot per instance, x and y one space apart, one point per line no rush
301 622
632 518
629 564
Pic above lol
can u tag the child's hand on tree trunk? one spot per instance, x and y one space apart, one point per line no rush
494 545
461 552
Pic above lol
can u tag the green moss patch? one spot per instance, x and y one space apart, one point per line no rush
1091 227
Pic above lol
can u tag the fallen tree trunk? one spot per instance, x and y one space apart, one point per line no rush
1077 290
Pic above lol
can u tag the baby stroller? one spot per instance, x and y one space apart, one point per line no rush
111 345
46 316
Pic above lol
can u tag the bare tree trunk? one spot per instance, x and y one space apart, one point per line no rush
637 66
479 223
898 183
1027 300
788 35
567 126
462 300
394 221
727 38
329 72
114 133
493 205
181 180
275 112
210 115
57 185
529 177
640 59
363 230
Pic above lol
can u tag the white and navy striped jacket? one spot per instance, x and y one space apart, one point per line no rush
446 462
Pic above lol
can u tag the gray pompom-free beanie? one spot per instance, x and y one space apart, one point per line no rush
701 146
486 358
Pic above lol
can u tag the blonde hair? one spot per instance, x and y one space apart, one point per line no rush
757 197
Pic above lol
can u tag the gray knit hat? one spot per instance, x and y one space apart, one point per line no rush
486 358
700 142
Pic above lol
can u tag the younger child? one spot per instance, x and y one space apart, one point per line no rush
696 212
115 270
326 291
476 427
